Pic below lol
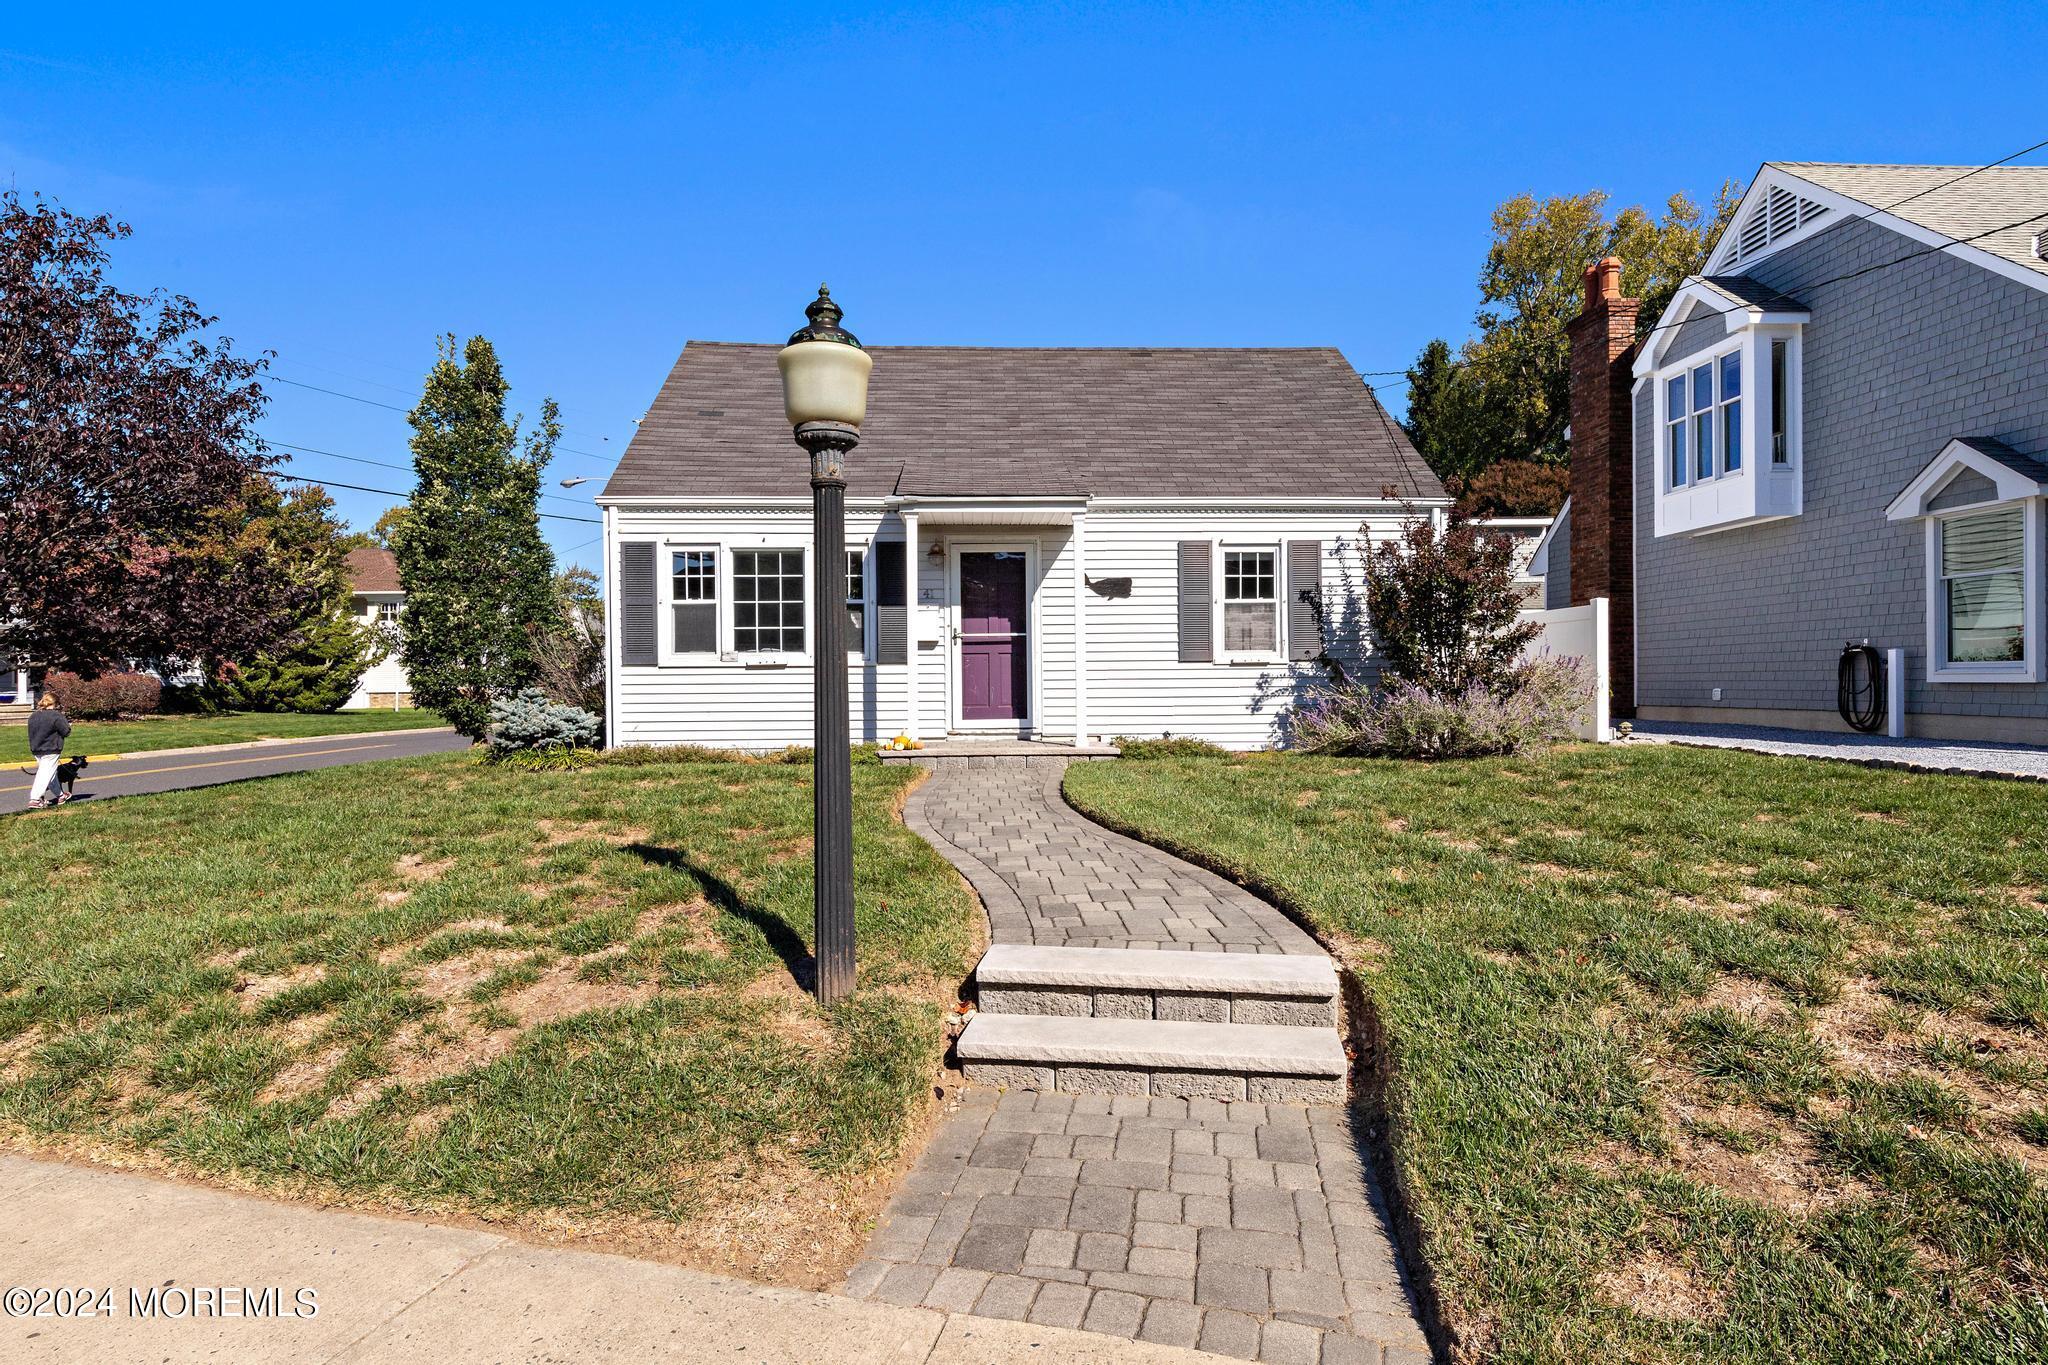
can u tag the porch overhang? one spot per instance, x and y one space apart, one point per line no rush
1005 510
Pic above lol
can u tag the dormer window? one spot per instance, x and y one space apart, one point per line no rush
1717 403
1987 606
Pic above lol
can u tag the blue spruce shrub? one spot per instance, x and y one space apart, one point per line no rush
530 722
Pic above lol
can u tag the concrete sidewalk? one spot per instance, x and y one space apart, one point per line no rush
388 1290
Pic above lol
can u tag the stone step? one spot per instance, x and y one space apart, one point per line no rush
1297 989
1154 1056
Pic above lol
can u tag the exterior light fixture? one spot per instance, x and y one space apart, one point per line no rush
825 398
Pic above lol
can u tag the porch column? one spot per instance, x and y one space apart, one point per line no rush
1080 546
910 628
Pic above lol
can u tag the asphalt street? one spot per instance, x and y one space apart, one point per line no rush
165 772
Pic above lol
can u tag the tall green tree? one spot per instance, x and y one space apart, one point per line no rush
319 660
1506 393
478 578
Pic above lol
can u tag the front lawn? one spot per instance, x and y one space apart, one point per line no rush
1690 1055
183 732
567 998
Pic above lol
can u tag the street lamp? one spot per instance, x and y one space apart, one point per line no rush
825 397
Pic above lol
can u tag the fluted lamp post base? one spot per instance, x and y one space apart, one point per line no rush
832 760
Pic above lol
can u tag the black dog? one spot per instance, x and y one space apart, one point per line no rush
67 777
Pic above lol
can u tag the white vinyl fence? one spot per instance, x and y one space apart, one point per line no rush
1579 633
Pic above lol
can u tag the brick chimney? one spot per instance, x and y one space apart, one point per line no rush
1603 340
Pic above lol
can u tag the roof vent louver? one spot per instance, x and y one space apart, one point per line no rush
1778 215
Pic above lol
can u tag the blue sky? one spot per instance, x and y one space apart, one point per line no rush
342 188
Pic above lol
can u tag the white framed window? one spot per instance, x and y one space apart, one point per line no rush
1249 603
1984 594
693 600
1703 429
768 602
857 602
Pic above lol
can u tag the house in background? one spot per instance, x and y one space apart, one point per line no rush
1042 544
1838 433
376 596
1526 537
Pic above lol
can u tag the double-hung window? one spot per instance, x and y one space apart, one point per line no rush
1728 411
768 601
1251 603
1676 423
856 602
1703 422
693 601
1983 589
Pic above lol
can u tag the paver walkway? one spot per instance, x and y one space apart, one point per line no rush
1921 755
1053 878
1251 1230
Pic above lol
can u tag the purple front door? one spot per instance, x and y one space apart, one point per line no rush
994 650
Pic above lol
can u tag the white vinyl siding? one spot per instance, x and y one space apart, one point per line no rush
1136 684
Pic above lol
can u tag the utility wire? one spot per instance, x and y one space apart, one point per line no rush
360 488
393 407
386 464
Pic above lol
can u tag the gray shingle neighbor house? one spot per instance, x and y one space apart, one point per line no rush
1838 433
1046 543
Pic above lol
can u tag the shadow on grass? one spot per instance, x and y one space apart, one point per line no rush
787 945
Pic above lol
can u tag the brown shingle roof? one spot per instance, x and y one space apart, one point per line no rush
993 421
373 570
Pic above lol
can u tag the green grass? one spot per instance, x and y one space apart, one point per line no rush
1689 1055
181 732
435 982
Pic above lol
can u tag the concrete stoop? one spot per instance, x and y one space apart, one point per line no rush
1124 1021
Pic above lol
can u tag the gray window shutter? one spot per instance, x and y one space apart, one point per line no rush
639 641
1197 633
892 616
1304 595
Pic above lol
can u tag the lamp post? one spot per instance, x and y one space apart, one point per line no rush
825 397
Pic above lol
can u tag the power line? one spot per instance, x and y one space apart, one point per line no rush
385 464
360 488
392 407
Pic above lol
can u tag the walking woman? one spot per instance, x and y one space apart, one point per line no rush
48 728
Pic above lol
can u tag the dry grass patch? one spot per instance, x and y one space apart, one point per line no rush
1657 1286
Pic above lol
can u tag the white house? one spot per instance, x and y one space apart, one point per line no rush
1042 544
376 597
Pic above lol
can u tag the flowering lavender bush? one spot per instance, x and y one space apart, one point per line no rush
1407 720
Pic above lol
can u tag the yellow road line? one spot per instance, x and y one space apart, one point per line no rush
220 763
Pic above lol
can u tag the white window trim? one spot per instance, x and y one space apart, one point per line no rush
1278 654
2034 624
727 654
666 569
863 649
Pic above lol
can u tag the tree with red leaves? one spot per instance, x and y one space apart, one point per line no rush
128 464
